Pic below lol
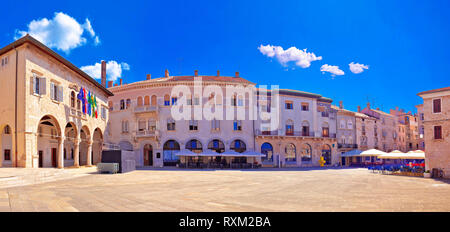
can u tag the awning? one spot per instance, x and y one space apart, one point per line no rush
253 154
400 155
351 153
186 152
372 152
209 152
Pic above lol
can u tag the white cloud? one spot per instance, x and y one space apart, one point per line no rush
357 68
334 70
300 57
62 32
113 70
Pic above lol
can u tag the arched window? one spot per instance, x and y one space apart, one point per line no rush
306 153
128 103
217 146
72 99
166 100
238 146
325 130
154 100
326 153
289 127
146 100
267 150
139 101
291 154
7 130
342 124
194 145
170 149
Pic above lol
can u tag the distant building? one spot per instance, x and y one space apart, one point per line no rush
436 123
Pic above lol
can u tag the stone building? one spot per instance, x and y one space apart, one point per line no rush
346 129
141 117
436 123
420 127
384 129
42 121
304 132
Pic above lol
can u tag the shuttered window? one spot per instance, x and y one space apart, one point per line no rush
437 132
436 105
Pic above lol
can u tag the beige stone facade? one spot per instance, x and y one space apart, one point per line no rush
42 123
436 123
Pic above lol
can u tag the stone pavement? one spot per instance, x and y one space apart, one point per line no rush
233 190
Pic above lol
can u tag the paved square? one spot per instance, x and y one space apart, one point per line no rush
233 190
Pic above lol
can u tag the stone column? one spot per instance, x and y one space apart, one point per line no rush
76 151
89 153
60 156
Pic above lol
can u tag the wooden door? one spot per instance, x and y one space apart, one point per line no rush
41 159
54 157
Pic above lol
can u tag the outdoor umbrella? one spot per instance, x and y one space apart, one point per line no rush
372 152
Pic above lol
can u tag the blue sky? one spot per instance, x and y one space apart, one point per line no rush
403 43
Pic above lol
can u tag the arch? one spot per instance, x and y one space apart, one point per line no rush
97 146
146 100
326 153
267 149
194 145
170 149
147 155
6 146
306 152
70 138
48 138
289 127
85 146
139 101
305 128
216 145
290 153
153 100
238 146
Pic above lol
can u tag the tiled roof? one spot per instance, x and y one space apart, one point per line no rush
434 91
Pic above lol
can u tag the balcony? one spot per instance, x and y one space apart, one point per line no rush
147 133
146 109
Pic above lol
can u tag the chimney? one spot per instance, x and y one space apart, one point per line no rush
149 76
368 105
110 84
341 106
115 84
166 73
218 73
103 73
195 73
359 109
121 81
237 74
378 108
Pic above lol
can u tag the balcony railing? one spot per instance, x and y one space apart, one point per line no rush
291 133
145 109
147 133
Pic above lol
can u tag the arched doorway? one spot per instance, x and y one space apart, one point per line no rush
6 158
70 134
97 146
48 141
306 153
170 149
148 155
194 146
217 146
326 154
85 146
290 153
267 150
238 146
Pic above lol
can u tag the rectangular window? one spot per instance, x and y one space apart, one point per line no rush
305 106
174 101
122 104
289 105
325 132
215 125
193 125
103 112
436 105
38 85
437 132
7 154
237 126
